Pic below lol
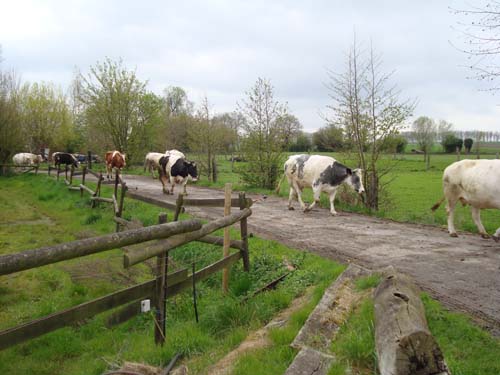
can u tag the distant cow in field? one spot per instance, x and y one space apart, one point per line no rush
152 162
114 159
64 158
26 158
322 174
176 169
473 182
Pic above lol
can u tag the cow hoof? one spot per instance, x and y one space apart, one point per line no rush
453 235
333 213
496 238
290 208
485 236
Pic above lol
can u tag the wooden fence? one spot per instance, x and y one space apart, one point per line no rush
139 244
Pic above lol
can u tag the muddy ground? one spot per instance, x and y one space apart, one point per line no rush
463 273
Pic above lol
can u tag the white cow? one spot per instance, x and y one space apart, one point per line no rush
25 158
322 174
473 182
152 162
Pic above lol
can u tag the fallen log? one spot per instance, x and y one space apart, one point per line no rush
404 343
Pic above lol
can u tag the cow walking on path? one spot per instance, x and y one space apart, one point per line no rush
64 158
322 174
473 182
176 169
152 162
114 159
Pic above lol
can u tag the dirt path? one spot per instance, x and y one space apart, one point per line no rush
463 273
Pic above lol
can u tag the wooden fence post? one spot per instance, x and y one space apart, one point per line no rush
71 174
58 171
89 159
178 207
161 290
84 171
66 171
120 205
244 234
227 238
117 181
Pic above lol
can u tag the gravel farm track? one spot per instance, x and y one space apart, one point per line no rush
463 273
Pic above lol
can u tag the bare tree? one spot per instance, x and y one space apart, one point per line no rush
480 38
425 132
368 108
206 136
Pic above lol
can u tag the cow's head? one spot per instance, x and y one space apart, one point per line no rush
124 156
192 170
39 159
355 179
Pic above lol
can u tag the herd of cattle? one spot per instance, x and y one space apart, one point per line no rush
472 182
172 166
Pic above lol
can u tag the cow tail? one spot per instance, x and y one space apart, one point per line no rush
278 188
436 206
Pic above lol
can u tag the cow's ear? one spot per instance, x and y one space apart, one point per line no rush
349 171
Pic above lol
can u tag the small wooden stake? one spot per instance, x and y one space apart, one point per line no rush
161 290
227 238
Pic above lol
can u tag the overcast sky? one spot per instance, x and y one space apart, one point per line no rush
219 48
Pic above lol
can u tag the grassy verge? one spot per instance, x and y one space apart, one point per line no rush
37 211
468 350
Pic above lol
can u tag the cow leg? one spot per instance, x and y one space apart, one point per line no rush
496 236
476 216
317 196
291 197
184 191
299 194
164 182
332 200
172 185
450 210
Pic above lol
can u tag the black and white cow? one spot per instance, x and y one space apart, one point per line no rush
176 169
322 174
64 158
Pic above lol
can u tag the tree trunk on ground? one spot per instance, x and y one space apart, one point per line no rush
404 344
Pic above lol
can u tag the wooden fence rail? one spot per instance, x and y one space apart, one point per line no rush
143 254
51 254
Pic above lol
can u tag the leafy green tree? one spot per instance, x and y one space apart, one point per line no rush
394 144
263 141
117 105
450 143
10 117
47 119
302 143
329 138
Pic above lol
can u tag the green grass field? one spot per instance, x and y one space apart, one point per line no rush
36 211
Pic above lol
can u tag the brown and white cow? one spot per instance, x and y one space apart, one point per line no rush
152 162
473 182
114 159
26 158
176 170
322 174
